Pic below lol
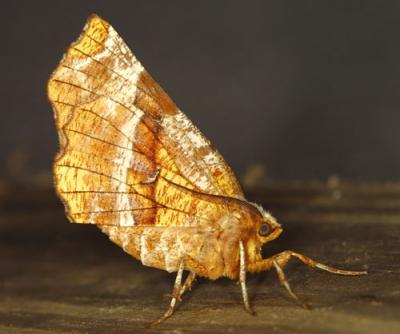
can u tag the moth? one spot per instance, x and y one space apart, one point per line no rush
133 164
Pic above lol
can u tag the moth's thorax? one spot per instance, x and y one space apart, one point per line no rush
238 218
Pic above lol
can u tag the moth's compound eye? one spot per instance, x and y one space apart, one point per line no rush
263 230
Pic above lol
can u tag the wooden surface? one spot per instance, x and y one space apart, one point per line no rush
58 277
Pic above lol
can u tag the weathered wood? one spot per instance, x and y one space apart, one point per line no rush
58 277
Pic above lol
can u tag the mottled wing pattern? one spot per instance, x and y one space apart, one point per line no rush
128 155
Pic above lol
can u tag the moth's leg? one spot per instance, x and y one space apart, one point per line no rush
188 283
314 264
278 261
175 296
285 283
186 286
242 278
283 258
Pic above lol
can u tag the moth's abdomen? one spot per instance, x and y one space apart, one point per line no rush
203 252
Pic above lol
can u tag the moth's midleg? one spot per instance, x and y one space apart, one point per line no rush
188 283
242 278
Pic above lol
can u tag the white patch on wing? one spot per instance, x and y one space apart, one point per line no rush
152 178
119 46
112 232
81 63
123 200
126 75
120 87
112 109
94 208
211 158
125 240
196 139
179 128
129 127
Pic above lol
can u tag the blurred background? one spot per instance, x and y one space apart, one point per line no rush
298 89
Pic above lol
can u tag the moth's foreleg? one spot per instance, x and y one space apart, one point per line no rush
279 261
314 264
242 278
283 258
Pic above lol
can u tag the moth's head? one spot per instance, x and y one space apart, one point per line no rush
267 228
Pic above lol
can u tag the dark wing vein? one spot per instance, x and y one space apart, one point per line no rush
98 139
113 211
125 59
96 192
145 92
99 116
122 105
116 42
162 206
101 174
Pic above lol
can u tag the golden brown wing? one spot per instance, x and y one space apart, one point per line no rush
128 155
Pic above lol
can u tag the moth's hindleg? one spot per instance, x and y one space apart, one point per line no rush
176 293
242 279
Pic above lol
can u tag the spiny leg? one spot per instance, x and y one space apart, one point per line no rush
314 264
186 286
283 258
285 283
278 261
176 293
188 283
242 278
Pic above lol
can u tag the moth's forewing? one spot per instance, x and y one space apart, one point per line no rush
128 155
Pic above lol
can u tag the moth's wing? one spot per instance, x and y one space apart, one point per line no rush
128 156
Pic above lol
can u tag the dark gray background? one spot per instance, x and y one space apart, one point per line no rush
308 88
